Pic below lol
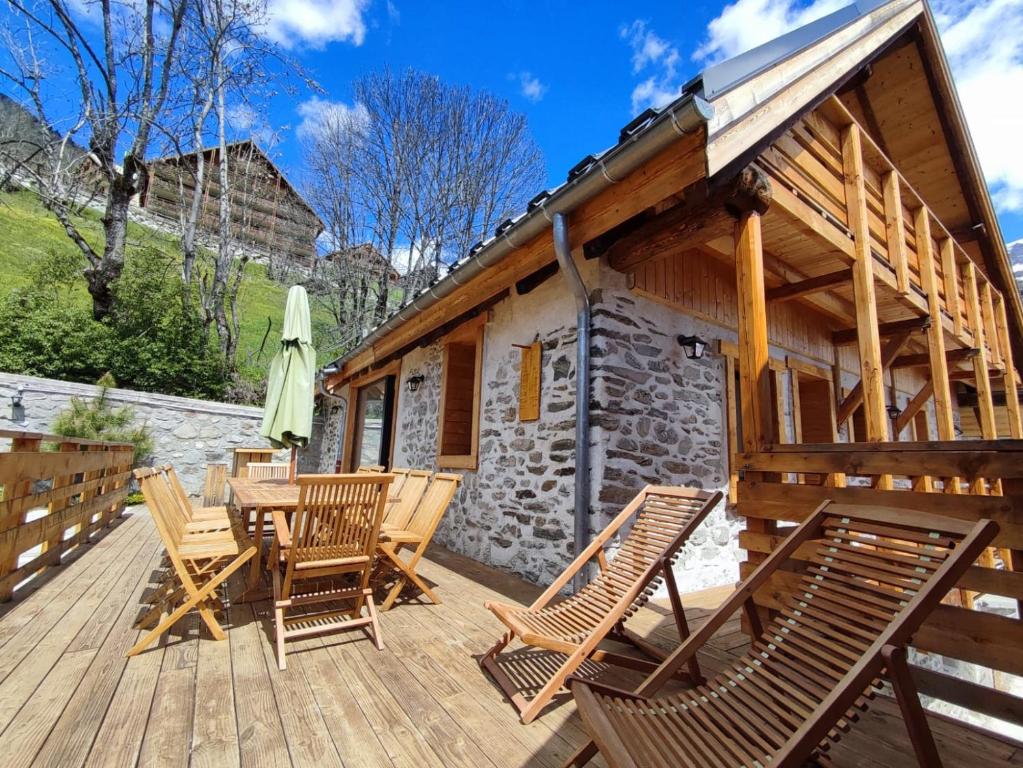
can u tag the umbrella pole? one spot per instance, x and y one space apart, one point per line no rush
294 464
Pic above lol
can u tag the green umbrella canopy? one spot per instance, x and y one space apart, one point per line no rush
288 413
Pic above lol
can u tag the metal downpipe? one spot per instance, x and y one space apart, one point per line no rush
563 251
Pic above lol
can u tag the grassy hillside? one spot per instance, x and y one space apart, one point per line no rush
29 232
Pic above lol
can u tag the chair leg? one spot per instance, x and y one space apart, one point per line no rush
681 622
374 621
909 702
278 621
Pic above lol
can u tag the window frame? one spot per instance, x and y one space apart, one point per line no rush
391 369
471 331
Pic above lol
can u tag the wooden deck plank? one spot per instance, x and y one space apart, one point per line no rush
423 701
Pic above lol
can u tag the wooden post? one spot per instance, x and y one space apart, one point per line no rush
990 329
951 270
935 334
1009 379
754 373
985 404
868 338
56 507
16 489
896 231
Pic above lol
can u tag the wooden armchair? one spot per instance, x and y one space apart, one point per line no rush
325 555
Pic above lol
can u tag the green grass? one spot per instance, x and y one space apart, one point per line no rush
29 232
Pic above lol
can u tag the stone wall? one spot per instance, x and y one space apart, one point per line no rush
186 433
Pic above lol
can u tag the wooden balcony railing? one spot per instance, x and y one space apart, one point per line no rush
785 484
53 500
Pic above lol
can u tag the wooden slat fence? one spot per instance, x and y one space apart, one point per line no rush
769 497
57 491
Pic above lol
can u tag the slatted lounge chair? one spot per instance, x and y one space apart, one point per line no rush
415 535
325 556
200 561
870 583
663 520
405 498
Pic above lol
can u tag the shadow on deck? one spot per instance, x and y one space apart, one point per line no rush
69 697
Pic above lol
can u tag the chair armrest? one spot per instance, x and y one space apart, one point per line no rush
281 530
603 689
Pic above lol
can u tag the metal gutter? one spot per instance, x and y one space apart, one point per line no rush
682 117
563 252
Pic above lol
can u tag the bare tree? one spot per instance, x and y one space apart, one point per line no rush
122 76
419 171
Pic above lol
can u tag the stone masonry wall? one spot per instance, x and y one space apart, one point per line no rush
187 433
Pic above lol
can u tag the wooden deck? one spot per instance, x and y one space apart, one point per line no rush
69 697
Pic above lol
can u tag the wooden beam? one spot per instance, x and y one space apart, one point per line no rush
754 372
868 339
810 285
988 428
885 330
951 274
1009 379
913 407
990 331
705 214
923 359
853 400
936 336
895 227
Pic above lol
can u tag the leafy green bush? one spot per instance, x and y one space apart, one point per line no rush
150 343
97 419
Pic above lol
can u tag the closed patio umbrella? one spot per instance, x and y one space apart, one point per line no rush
288 413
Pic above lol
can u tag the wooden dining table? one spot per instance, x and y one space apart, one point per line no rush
259 498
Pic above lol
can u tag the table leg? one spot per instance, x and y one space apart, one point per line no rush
252 586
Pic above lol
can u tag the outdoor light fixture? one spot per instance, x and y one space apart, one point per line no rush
17 409
893 411
693 346
414 381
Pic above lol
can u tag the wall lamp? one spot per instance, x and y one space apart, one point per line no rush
17 408
693 346
414 381
893 411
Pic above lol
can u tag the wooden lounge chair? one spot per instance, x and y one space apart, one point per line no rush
326 556
268 470
665 517
415 535
200 561
869 584
405 498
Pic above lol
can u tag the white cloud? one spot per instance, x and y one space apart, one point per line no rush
984 43
315 22
319 114
658 58
745 24
530 85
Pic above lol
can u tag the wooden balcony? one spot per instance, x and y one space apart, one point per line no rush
68 695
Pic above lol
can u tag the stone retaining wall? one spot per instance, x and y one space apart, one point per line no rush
187 433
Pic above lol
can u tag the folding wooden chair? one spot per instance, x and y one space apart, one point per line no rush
370 469
332 536
411 484
213 487
195 517
664 519
415 534
200 561
869 584
267 470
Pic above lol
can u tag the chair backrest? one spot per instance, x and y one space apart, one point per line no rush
342 512
213 487
267 470
433 505
663 519
405 500
163 504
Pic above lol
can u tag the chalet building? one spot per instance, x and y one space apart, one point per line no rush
267 212
812 217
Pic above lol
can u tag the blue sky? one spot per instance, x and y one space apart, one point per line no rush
582 70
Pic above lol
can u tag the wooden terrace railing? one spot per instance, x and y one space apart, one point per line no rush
53 500
957 479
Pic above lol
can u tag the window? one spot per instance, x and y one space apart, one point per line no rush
458 430
370 426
